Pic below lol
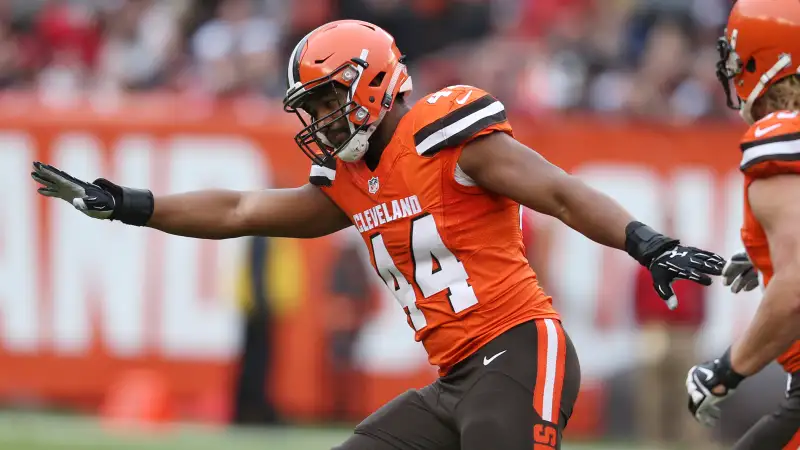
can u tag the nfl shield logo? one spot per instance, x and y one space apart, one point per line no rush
373 185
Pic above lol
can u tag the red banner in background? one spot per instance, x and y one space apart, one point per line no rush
83 302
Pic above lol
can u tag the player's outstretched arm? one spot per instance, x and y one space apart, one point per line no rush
303 212
502 164
499 163
774 202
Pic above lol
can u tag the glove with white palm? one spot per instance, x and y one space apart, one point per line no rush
99 200
708 384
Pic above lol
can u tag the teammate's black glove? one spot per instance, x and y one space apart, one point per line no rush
669 261
739 273
100 200
708 384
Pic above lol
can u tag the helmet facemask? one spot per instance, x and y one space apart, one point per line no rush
729 66
348 116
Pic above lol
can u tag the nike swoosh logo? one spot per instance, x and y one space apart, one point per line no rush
761 132
487 361
320 61
464 99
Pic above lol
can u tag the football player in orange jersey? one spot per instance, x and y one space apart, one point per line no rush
760 58
435 190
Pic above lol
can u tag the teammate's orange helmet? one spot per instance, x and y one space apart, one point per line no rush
761 46
347 54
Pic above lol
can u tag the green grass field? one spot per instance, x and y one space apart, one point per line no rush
55 432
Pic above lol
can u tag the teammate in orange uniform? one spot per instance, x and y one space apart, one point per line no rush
435 191
759 56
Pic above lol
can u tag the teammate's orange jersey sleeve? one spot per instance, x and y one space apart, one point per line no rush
770 147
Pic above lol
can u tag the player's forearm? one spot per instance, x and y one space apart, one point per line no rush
209 214
773 329
592 213
303 212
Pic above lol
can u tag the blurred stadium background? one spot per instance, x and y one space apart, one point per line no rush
115 337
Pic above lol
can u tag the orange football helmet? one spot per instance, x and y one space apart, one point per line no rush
353 55
761 46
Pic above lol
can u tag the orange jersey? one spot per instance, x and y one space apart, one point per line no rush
770 147
451 252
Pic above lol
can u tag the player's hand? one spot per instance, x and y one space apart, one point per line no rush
101 199
683 263
90 199
739 273
669 261
708 384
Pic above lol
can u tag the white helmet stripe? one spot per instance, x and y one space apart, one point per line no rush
360 69
351 94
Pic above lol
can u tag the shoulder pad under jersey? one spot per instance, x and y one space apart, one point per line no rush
772 145
455 115
323 176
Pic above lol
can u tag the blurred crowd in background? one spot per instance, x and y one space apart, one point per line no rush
647 58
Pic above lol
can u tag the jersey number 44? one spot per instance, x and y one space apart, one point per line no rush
435 269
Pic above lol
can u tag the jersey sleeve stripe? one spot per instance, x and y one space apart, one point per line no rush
460 124
780 150
453 117
323 175
779 138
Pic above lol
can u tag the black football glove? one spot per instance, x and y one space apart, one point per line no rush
100 200
669 261
739 273
701 383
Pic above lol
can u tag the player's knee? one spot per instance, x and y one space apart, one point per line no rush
409 397
487 425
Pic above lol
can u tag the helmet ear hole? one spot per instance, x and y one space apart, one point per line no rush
751 65
378 80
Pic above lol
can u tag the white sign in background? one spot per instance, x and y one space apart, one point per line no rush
104 270
96 270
